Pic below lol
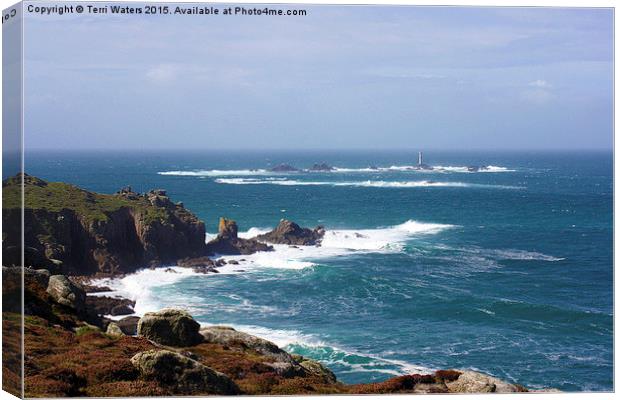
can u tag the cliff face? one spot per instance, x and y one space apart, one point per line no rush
79 232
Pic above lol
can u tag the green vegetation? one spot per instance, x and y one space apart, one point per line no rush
58 196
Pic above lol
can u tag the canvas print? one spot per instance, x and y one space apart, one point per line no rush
291 199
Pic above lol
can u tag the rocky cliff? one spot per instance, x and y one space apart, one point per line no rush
74 231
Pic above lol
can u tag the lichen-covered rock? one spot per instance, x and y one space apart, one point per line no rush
114 330
129 325
185 375
172 327
315 368
65 292
227 336
476 382
288 232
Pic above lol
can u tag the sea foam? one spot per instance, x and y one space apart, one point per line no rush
368 183
217 172
331 354
335 243
139 286
393 168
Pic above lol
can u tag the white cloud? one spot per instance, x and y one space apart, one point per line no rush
540 83
163 73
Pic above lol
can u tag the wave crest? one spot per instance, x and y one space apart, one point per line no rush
369 183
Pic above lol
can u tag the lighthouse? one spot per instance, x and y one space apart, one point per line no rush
421 165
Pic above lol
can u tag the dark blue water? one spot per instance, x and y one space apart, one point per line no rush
508 272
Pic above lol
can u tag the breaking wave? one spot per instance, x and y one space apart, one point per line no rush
336 243
340 360
393 168
217 172
369 183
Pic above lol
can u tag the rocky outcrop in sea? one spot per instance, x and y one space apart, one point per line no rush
288 232
228 242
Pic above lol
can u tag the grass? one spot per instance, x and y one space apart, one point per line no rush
58 196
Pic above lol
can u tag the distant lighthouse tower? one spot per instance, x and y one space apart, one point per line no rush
421 165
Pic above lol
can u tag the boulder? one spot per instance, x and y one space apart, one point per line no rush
288 232
114 330
172 327
129 325
228 336
66 293
315 368
184 375
476 382
201 265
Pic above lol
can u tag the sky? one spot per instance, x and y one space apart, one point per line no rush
341 77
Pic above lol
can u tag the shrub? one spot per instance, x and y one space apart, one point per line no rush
447 375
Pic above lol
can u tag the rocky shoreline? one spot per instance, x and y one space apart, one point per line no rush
74 349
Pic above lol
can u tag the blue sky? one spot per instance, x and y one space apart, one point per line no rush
341 77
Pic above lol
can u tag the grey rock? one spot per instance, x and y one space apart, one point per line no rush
185 375
476 382
129 325
172 327
66 293
315 368
114 330
230 337
288 232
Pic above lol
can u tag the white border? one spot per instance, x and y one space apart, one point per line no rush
488 3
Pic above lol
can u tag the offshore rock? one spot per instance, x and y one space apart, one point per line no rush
290 233
202 265
227 241
172 327
322 167
185 375
227 229
284 168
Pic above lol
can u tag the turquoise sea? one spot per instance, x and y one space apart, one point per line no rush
507 271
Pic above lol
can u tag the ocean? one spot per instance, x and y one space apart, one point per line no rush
508 271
